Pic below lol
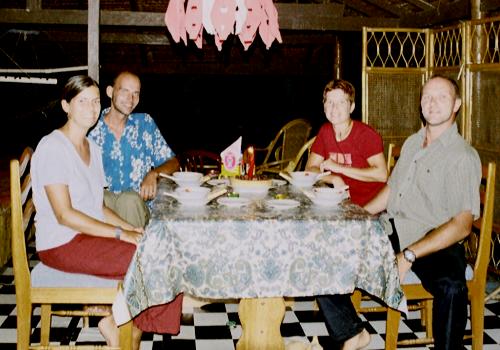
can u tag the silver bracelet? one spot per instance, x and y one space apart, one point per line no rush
118 233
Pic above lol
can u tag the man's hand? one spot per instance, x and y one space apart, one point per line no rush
149 185
403 266
131 236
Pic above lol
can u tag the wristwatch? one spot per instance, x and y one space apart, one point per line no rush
118 233
409 255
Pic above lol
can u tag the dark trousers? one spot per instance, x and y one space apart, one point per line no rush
442 274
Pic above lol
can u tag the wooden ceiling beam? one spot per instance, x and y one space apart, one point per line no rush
365 8
490 5
446 13
424 5
291 17
387 7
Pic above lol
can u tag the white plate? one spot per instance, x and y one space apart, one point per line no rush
282 203
218 182
234 201
278 182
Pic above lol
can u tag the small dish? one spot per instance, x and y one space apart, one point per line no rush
218 182
234 202
282 203
278 183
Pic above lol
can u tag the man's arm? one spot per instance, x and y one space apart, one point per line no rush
149 183
451 232
379 202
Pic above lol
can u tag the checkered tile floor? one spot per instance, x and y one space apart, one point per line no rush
216 326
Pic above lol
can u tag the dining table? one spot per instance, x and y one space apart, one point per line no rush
259 253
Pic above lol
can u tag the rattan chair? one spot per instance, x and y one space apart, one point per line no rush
284 147
36 287
200 160
478 252
297 163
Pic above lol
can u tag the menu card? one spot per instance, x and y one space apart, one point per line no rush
231 159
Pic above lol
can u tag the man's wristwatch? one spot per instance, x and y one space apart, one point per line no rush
409 255
118 233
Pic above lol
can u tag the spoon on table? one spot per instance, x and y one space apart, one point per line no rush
215 194
170 194
286 177
168 176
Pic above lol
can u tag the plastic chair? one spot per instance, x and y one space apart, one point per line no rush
284 147
199 160
478 251
297 162
37 287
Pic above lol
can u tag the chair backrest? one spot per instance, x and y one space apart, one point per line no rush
286 144
478 243
296 164
22 210
392 156
199 160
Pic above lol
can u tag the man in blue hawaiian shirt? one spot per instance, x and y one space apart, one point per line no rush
134 151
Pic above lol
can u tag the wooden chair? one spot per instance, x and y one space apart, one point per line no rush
284 147
478 251
393 154
297 162
44 285
199 160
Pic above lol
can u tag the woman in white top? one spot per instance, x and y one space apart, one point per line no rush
75 231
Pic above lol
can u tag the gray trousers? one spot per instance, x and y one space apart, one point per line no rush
129 206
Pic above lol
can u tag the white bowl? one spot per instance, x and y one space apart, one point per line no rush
240 185
329 193
303 178
192 193
187 178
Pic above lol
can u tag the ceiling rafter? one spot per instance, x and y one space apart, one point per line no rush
445 13
365 8
387 7
424 5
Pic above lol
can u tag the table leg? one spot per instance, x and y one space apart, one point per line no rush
260 322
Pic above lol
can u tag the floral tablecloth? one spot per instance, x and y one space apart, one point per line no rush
256 251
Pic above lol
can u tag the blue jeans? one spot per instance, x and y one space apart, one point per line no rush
442 274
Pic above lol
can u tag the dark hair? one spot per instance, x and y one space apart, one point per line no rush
343 85
75 85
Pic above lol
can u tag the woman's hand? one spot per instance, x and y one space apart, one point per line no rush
335 180
330 165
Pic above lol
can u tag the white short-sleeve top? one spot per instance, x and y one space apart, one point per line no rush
56 161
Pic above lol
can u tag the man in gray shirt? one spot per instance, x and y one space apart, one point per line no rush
432 198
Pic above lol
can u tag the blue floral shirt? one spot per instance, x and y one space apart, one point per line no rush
128 160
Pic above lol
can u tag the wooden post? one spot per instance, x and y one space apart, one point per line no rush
337 58
93 39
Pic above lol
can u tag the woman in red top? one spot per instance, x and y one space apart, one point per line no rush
354 153
351 150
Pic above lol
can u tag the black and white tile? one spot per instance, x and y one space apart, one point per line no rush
217 327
